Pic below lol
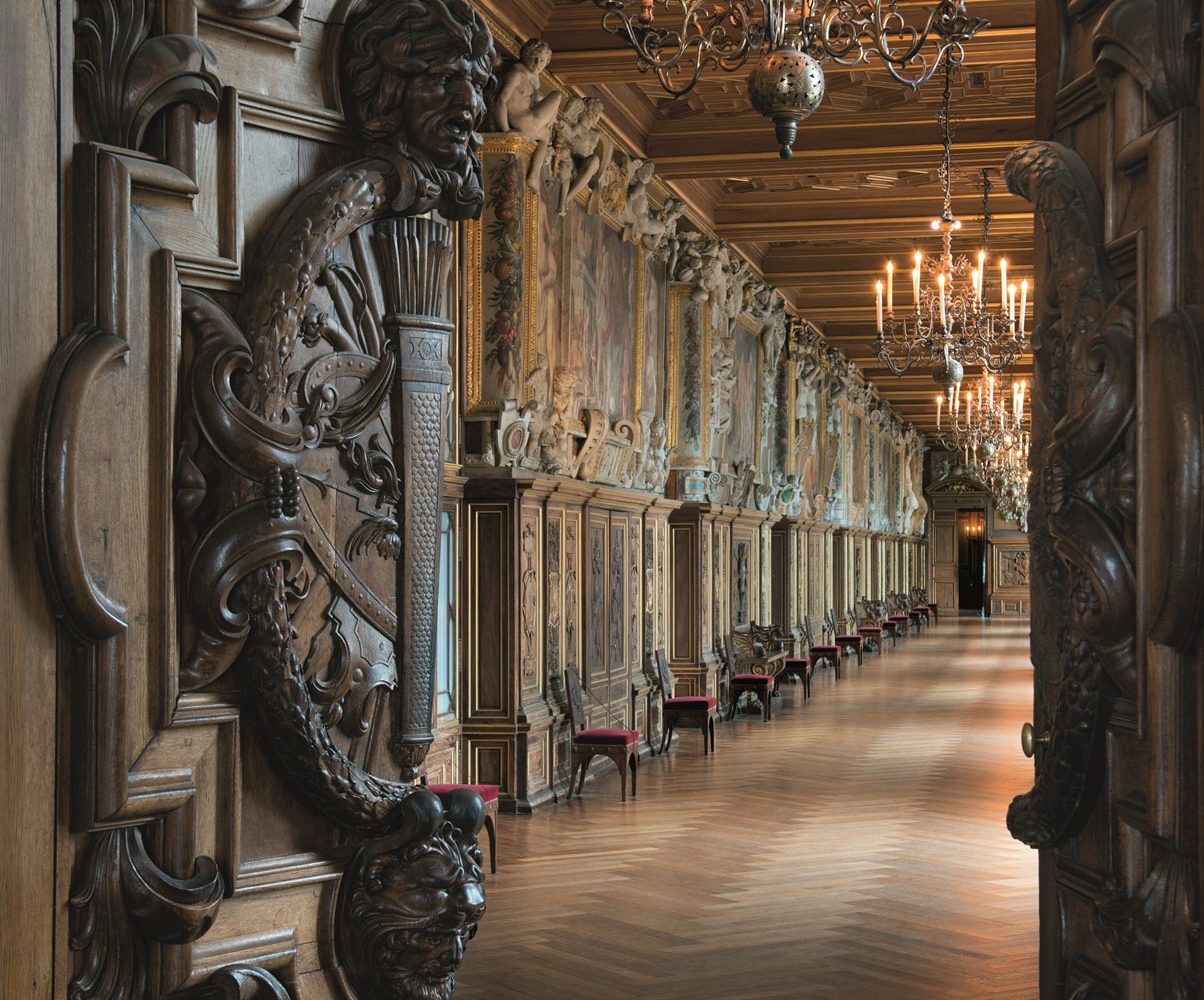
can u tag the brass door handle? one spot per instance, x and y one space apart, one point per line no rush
1029 739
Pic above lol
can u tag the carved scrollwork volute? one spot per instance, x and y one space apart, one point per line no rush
1155 41
1082 526
120 900
236 982
127 77
310 477
1156 929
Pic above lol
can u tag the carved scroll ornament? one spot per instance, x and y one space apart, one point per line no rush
120 899
310 474
1083 520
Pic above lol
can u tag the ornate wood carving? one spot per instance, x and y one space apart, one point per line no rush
126 78
1157 928
236 982
120 899
1155 41
554 617
530 603
1081 532
570 595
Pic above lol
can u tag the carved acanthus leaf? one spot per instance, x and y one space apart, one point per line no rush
120 899
1155 41
127 78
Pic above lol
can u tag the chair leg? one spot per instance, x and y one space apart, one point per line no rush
623 776
667 736
860 657
581 784
702 727
634 763
491 832
711 728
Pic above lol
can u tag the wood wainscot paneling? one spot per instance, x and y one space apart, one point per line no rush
563 575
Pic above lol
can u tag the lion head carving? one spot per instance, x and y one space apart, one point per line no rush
410 902
414 73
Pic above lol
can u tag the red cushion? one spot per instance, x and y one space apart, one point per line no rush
753 679
825 649
898 618
691 702
487 792
922 607
872 629
797 661
848 638
616 737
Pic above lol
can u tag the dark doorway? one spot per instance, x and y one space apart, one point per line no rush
971 559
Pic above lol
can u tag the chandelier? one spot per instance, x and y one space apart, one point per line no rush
989 433
678 39
957 316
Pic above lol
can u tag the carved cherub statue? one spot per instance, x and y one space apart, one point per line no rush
521 110
636 211
555 441
659 231
579 147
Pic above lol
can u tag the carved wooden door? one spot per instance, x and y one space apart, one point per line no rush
1117 523
237 492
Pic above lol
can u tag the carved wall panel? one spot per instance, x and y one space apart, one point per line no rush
1115 802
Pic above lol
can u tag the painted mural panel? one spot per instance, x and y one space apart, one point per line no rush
740 444
502 280
602 315
655 313
550 257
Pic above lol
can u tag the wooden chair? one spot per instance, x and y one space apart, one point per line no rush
620 745
920 603
871 635
876 612
821 650
900 620
845 640
489 795
686 711
750 673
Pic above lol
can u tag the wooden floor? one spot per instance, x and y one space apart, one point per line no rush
853 849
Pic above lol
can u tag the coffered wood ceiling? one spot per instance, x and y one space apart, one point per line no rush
863 183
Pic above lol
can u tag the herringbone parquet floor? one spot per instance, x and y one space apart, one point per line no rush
852 849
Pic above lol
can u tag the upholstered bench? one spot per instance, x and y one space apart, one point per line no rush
760 685
799 666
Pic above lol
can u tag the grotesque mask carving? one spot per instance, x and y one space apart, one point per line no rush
414 73
411 902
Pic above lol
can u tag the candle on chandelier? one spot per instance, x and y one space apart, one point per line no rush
1023 303
890 288
976 281
940 401
1003 284
955 403
940 280
982 262
1012 303
878 304
991 392
915 278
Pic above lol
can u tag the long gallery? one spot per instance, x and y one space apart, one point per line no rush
602 499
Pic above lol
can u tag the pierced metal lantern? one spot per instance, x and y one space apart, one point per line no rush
786 88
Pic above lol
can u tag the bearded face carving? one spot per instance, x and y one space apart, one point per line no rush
411 902
414 74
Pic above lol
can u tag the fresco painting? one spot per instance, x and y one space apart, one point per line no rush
601 321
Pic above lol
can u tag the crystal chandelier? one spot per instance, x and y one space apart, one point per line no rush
957 316
991 437
679 39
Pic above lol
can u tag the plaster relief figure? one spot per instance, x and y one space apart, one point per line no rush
520 109
580 147
555 439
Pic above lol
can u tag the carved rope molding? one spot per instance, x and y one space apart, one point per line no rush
1081 528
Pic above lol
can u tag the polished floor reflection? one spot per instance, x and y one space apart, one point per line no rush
852 849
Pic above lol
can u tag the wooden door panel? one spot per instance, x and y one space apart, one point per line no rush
237 492
1116 654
